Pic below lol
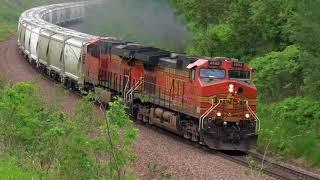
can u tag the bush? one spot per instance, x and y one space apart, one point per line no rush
120 136
47 141
278 74
292 128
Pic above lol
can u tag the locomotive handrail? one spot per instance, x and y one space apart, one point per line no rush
127 84
135 88
254 115
204 115
128 95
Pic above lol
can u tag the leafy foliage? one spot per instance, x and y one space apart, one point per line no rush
279 38
257 26
216 41
292 126
279 74
120 135
49 142
201 14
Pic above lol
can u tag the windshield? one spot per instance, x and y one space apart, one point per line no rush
238 74
212 73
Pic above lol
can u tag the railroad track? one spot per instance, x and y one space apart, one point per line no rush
270 168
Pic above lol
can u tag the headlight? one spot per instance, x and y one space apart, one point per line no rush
247 116
231 88
219 114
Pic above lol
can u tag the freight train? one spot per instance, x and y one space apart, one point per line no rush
209 100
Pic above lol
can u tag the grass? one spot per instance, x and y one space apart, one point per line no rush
7 25
10 170
9 15
10 11
160 172
6 29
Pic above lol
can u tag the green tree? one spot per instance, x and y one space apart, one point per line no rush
279 74
201 13
120 136
271 18
303 30
218 40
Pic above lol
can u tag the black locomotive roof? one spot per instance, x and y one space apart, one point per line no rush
178 61
149 55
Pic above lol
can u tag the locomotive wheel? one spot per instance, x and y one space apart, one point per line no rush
194 138
187 135
52 76
134 111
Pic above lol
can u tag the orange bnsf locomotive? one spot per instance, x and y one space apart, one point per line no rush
207 100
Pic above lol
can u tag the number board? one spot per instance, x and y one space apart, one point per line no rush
214 63
238 64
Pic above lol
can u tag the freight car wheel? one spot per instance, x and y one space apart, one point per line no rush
53 76
67 84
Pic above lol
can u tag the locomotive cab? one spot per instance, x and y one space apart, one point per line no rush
227 103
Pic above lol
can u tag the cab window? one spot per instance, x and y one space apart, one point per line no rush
212 73
239 74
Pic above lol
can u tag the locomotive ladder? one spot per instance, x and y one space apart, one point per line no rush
128 96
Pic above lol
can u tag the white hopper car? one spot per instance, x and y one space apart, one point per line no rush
55 50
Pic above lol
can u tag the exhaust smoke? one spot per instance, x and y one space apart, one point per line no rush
149 22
